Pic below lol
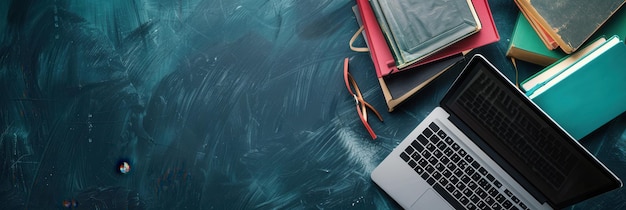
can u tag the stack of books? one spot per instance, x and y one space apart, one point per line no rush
580 45
412 42
532 43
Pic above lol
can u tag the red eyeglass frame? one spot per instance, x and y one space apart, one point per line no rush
361 104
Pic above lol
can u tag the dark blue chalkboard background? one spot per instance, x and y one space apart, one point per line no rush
213 105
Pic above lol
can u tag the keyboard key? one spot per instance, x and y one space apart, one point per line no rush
457 194
493 192
426 154
450 187
483 171
462 165
464 200
489 201
442 134
507 204
444 160
433 126
432 160
471 206
497 184
429 169
419 170
455 158
405 157
455 146
436 175
409 150
422 140
469 171
440 167
415 156
508 192
458 172
427 133
523 206
500 198
477 177
476 165
515 199
425 175
430 181
474 198
481 205
422 162
467 192
472 185
465 179
437 153
451 166
412 163
460 186
454 180
442 145
418 147
481 193
444 181
483 183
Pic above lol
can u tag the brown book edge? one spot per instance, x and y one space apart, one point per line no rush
520 54
393 103
541 32
533 16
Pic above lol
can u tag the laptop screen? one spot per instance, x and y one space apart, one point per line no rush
522 135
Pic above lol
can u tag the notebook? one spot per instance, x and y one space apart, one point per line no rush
488 146
582 92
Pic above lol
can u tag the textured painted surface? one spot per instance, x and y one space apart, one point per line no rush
213 104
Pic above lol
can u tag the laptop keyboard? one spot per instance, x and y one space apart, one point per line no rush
524 138
455 174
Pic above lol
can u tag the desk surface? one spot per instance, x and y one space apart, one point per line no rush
213 104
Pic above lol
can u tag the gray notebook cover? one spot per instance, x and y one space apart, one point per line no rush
416 29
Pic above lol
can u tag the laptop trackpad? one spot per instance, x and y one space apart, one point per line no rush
431 200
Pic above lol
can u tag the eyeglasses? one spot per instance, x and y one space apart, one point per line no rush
361 104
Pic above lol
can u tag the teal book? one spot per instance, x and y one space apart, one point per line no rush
588 92
527 46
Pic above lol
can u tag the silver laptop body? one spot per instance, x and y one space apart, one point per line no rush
488 147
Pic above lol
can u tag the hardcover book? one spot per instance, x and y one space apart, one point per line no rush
416 29
526 45
570 23
586 93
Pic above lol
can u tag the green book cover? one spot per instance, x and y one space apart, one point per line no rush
527 46
589 93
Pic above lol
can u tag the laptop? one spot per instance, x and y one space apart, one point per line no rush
487 146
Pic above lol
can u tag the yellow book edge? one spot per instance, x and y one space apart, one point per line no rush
533 16
566 66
